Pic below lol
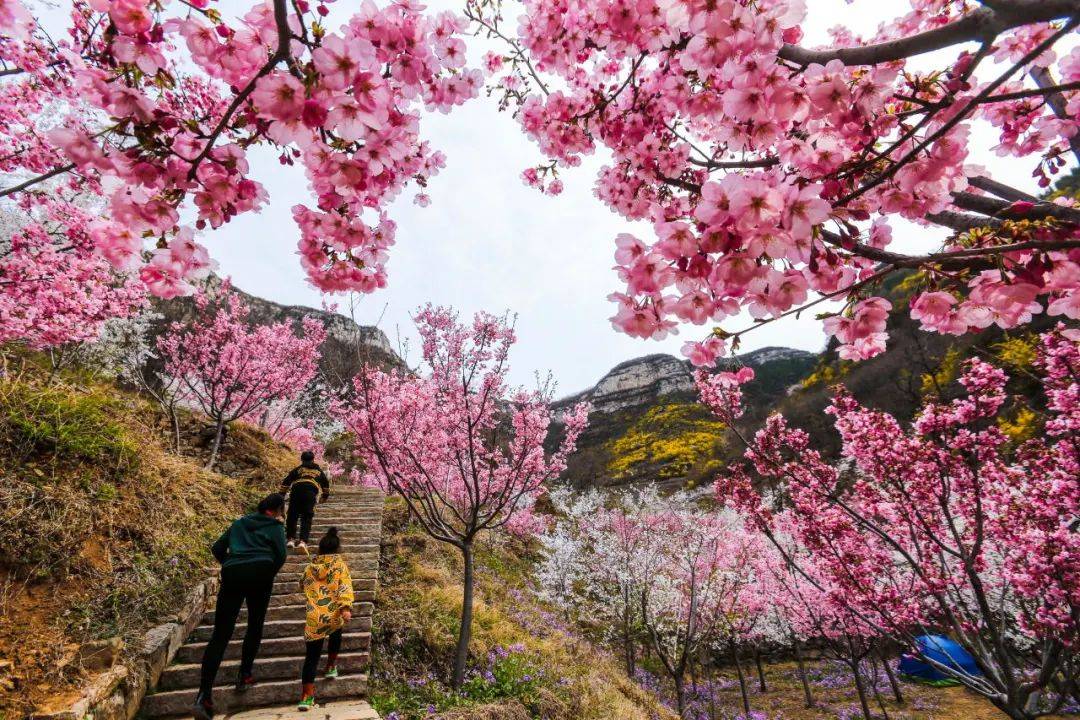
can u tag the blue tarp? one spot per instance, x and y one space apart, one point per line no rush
942 650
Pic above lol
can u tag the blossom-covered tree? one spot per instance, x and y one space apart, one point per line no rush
294 419
55 291
771 170
656 569
153 106
464 450
941 525
230 368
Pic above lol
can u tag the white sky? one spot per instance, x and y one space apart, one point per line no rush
488 242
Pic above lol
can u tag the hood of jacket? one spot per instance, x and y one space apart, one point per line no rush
258 522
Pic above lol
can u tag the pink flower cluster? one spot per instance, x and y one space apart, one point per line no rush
54 289
161 101
769 171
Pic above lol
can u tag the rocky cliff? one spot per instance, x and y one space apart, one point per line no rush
347 346
647 426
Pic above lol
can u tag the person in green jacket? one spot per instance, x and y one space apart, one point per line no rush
251 552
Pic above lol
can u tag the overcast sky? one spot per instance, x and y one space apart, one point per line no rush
488 242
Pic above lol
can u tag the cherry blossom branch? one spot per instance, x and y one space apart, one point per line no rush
1056 101
519 53
982 24
1000 189
38 179
284 36
961 115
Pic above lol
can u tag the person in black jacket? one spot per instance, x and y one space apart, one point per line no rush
304 484
251 552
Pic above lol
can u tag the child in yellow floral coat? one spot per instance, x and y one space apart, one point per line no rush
328 589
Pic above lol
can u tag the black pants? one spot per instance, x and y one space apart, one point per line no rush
302 508
314 650
249 583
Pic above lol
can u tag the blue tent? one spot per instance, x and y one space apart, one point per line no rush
941 650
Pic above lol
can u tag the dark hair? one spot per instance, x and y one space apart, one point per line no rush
307 456
329 543
274 502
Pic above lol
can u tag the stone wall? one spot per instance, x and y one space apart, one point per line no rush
116 692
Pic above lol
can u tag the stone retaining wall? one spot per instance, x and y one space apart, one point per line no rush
117 693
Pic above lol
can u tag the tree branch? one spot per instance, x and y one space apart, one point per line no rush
1056 100
284 37
35 180
982 24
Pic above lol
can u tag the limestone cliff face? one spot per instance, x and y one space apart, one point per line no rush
635 382
647 426
644 380
347 345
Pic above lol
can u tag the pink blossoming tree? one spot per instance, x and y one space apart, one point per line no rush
770 170
940 525
55 291
464 450
153 106
229 368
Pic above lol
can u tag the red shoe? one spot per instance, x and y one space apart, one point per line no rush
245 682
203 709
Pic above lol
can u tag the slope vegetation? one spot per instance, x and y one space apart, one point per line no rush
103 530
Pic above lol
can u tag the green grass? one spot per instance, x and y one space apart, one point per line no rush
62 426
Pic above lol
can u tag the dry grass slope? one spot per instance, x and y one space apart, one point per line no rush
103 530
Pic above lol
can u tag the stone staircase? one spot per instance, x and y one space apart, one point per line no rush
357 513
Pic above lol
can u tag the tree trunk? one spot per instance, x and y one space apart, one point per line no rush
802 673
854 665
680 696
874 687
760 670
461 656
712 692
892 679
217 444
742 678
628 642
175 421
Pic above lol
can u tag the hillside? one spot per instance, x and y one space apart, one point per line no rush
527 661
647 426
103 530
646 423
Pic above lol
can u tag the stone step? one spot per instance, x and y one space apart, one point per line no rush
179 677
289 612
275 647
178 702
289 581
277 629
349 546
348 532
